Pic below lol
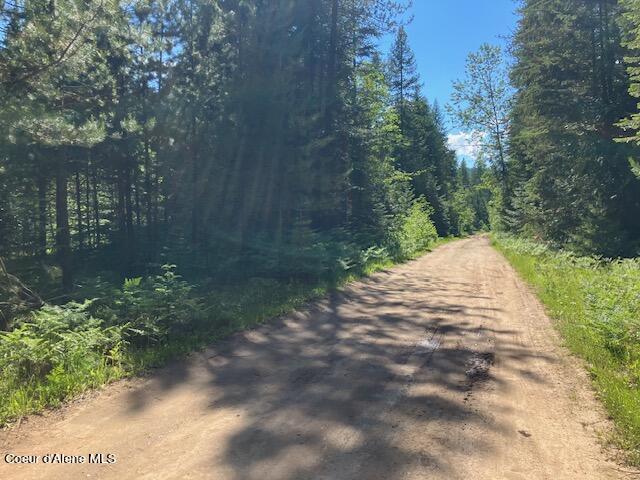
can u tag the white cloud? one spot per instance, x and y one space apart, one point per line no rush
465 144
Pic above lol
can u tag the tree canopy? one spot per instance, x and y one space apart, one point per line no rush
229 135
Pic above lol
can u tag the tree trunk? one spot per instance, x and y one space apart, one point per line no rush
136 196
128 207
148 198
332 66
79 211
96 205
42 216
87 204
121 204
63 239
195 173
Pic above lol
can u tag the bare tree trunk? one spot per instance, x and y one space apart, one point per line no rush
63 239
96 205
148 198
42 216
128 207
78 193
87 204
332 66
195 172
136 196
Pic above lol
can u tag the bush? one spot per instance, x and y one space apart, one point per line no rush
155 308
56 336
415 233
59 351
606 292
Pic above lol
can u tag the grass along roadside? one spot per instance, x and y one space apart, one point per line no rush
64 351
596 306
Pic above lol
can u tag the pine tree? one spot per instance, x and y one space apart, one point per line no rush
403 74
631 23
572 182
241 134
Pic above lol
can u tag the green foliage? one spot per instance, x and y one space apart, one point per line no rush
571 181
635 167
403 77
416 232
53 336
56 352
48 50
62 350
270 160
597 305
463 215
481 104
630 20
155 308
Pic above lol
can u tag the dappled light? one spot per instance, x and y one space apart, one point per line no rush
415 372
319 239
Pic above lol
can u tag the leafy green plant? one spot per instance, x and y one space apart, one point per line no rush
416 232
53 336
155 308
54 353
60 351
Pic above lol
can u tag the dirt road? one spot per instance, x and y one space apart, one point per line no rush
443 368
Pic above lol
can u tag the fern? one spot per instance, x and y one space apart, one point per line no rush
52 337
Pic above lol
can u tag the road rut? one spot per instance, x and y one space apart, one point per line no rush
443 368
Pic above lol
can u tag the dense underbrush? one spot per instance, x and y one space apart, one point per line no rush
113 331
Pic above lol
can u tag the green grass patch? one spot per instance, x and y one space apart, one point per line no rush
596 305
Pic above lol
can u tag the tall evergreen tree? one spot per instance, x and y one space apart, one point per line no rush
403 74
573 184
631 40
211 130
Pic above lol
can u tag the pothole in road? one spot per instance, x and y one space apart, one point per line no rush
478 367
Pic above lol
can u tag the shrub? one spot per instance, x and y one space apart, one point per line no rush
597 305
155 308
56 336
416 232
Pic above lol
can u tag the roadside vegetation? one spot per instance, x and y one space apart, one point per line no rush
59 351
596 303
175 170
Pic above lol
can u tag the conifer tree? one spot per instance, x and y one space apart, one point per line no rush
631 40
572 182
403 75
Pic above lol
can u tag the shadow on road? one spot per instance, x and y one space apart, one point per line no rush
365 384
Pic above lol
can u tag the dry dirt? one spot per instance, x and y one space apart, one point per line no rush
444 368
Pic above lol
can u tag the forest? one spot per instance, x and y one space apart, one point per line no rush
137 134
156 150
175 170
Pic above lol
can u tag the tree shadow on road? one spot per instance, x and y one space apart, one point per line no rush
370 383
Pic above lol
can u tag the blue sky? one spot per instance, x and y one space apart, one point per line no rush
444 32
